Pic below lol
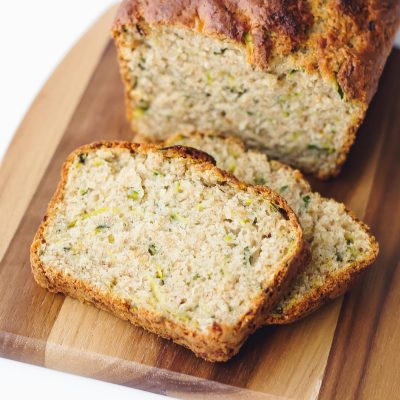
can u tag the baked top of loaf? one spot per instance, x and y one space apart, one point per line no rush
341 246
167 240
343 41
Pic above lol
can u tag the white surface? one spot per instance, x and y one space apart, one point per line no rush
24 381
34 36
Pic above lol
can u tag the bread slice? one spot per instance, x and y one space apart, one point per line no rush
294 78
341 246
164 239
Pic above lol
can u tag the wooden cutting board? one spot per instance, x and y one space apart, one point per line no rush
348 350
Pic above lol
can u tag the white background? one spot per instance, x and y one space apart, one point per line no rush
34 37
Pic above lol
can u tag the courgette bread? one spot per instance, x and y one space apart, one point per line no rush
164 239
341 246
294 77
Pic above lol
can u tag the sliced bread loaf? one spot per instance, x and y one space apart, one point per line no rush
164 239
294 77
341 246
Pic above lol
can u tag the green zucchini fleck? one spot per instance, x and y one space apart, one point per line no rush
259 181
152 249
141 108
238 92
221 51
306 200
283 189
247 256
160 273
141 63
94 212
354 253
134 195
349 238
100 227
325 149
340 91
338 256
143 105
248 39
82 158
113 283
71 224
177 217
274 207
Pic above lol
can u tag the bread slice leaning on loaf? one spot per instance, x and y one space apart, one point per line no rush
341 246
164 239
292 77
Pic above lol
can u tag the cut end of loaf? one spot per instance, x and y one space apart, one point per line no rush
179 80
166 240
341 246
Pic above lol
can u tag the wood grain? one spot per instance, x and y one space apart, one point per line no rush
369 328
347 351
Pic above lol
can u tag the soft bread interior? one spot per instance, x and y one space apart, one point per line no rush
338 241
184 81
165 236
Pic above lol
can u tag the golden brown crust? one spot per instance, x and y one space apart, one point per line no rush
221 342
283 22
374 24
336 284
190 151
344 40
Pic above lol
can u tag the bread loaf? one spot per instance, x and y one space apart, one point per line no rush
292 77
341 246
164 239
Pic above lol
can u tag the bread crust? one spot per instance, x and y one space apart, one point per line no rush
335 284
221 342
